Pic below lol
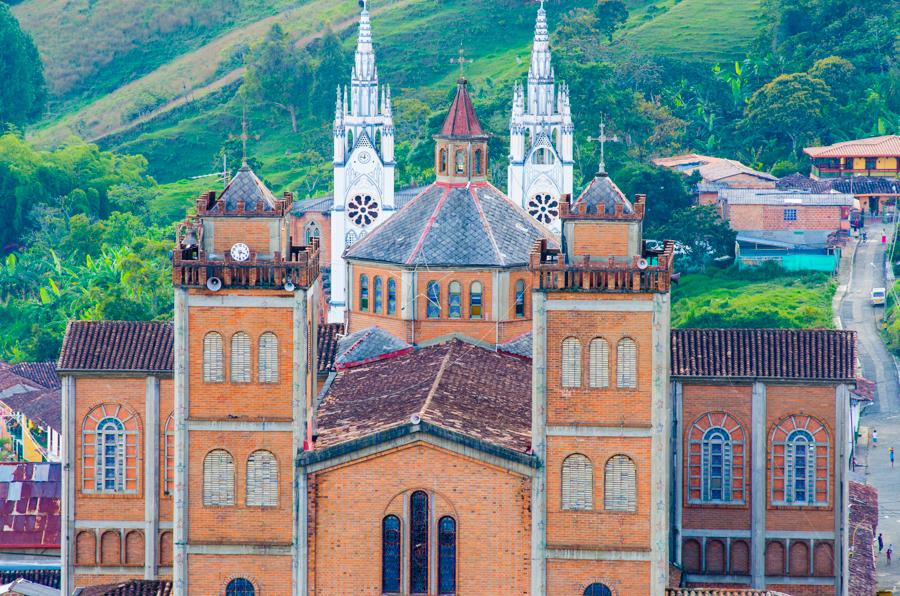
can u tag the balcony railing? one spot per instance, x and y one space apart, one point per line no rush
650 273
192 268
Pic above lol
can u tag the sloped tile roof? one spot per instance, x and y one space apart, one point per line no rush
863 524
117 346
368 345
30 505
461 120
458 386
798 354
317 205
452 225
518 346
712 169
42 373
855 185
246 187
133 587
327 345
884 146
42 406
603 193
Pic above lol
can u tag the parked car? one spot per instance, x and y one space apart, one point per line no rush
878 296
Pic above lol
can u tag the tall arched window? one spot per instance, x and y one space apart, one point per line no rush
433 306
598 590
110 450
363 293
475 306
349 238
454 300
418 543
443 161
800 462
240 358
477 160
599 363
460 162
626 363
447 555
715 462
577 483
169 456
379 295
311 231
390 555
716 454
392 297
571 362
262 479
619 484
240 587
213 358
218 479
520 299
267 356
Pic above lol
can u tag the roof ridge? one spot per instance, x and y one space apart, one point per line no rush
437 382
431 220
487 228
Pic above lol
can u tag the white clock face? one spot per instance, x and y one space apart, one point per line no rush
240 252
364 157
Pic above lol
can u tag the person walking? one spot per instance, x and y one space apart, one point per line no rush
880 542
891 455
889 553
874 438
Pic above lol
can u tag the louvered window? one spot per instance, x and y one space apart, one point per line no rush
447 555
379 295
169 456
571 362
363 293
392 297
418 543
520 299
213 358
218 478
433 295
390 555
267 354
619 484
475 306
599 354
454 301
240 587
262 480
577 483
626 364
240 358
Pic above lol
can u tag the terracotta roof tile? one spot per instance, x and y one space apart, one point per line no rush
863 525
42 406
30 505
805 354
327 345
461 120
42 373
117 346
134 587
884 146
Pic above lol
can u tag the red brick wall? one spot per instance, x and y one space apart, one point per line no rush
255 233
269 574
771 217
598 238
571 578
298 235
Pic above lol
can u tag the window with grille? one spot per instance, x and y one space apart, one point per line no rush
218 479
240 358
379 295
598 590
390 555
110 450
577 483
169 456
716 455
800 461
619 484
240 587
520 299
475 306
454 300
268 358
715 449
599 363
262 480
213 358
392 297
418 543
363 293
433 295
571 362
626 364
790 215
447 555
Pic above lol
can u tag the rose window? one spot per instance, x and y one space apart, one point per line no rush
543 208
362 210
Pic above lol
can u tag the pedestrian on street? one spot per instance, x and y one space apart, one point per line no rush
880 542
874 438
891 455
890 553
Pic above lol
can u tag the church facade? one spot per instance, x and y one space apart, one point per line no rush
502 408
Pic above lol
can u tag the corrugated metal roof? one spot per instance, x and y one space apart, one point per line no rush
30 505
772 196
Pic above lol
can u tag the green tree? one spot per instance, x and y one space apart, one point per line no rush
23 92
666 190
611 14
329 72
279 74
791 105
701 232
838 73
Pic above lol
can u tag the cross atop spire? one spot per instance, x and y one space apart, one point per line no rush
462 61
244 137
602 139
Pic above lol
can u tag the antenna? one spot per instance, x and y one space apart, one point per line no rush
602 139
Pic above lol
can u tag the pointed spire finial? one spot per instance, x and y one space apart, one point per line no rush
602 139
244 137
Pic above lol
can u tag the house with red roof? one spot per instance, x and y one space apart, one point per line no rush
874 156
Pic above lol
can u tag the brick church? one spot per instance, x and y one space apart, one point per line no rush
488 400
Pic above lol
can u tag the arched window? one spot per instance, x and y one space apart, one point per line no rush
169 456
715 463
213 358
240 587
240 358
571 362
520 299
433 307
390 555
218 479
577 483
454 301
447 555
418 543
475 308
477 164
460 162
800 463
392 297
311 231
363 293
267 356
262 480
597 590
349 238
619 484
379 295
110 450
626 363
599 363
443 161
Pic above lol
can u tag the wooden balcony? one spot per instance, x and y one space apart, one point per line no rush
192 268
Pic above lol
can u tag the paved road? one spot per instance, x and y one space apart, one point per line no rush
866 271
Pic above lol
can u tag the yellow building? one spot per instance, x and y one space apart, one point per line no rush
875 156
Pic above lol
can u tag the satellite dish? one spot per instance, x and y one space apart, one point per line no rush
213 284
415 419
642 264
289 286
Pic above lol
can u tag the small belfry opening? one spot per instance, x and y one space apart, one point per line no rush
460 154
